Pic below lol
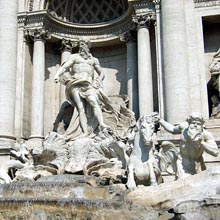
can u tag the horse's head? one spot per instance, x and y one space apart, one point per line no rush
146 126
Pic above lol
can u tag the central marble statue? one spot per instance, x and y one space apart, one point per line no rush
83 80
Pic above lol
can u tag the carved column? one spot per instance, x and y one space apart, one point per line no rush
175 63
66 51
145 83
132 77
37 110
8 61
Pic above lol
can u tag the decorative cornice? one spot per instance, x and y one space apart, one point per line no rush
144 20
206 3
143 4
145 12
60 29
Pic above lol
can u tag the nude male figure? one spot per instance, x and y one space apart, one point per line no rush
82 84
194 141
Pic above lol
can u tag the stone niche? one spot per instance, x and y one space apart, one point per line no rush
113 61
211 43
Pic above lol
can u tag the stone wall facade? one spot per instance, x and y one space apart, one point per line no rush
146 53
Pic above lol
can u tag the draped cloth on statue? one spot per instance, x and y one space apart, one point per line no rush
115 113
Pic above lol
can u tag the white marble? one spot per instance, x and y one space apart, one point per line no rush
145 84
194 74
132 78
175 61
19 108
8 54
159 62
37 113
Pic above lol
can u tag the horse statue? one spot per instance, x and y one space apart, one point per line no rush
142 164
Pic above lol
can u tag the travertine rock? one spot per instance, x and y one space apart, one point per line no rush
167 195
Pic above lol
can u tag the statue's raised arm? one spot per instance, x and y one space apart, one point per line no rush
63 68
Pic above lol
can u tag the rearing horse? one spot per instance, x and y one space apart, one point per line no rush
141 163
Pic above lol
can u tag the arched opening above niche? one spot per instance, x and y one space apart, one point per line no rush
87 12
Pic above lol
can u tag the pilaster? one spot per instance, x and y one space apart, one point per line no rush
66 51
157 27
132 76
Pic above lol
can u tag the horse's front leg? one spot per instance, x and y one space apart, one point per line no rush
153 180
131 182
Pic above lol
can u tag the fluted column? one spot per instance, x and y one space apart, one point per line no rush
145 81
175 63
37 110
132 75
66 50
8 54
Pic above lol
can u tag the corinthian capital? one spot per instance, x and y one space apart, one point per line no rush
38 34
156 4
144 20
68 45
128 36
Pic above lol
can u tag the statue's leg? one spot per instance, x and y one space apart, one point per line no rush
82 116
97 111
153 180
131 182
180 173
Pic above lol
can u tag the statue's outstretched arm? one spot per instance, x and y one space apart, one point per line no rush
174 129
210 145
63 69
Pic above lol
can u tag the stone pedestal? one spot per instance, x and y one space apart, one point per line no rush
8 61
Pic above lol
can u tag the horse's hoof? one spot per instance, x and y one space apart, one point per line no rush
131 186
154 184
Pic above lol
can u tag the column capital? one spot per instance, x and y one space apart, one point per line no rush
68 45
128 37
156 4
144 20
38 34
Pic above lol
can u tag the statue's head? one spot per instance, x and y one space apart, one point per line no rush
196 123
84 45
195 117
145 125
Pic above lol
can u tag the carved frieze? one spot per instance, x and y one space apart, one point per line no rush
144 20
206 3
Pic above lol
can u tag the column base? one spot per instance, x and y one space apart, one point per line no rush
35 144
